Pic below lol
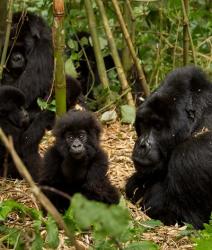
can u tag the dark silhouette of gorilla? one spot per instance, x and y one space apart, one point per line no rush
76 162
30 62
14 120
173 152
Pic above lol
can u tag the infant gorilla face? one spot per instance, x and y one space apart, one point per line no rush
76 141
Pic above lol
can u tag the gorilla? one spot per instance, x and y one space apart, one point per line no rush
14 120
76 162
173 151
30 63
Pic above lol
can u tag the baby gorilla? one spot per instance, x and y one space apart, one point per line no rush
76 162
14 120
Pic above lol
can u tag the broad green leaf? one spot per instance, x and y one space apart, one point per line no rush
52 238
151 224
143 245
127 114
204 244
70 68
37 243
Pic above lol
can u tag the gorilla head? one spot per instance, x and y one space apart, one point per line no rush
170 116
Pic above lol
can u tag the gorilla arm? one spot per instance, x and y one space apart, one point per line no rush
97 185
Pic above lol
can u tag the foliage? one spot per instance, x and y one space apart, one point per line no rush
110 227
158 37
204 239
18 237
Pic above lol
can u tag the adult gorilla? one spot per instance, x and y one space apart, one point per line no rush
173 151
30 62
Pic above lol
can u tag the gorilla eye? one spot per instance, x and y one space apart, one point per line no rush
158 126
69 137
83 135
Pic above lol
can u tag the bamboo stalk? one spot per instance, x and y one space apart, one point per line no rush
138 66
185 35
3 15
114 52
186 21
7 36
59 66
96 45
125 57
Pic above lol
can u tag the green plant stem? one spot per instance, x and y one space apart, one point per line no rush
96 45
186 21
59 65
114 52
138 66
7 37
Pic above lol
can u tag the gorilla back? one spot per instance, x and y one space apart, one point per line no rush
173 152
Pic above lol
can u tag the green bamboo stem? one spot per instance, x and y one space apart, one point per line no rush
7 37
185 35
186 21
138 66
3 15
96 45
59 66
114 52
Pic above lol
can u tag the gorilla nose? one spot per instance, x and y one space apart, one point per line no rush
17 58
145 145
77 146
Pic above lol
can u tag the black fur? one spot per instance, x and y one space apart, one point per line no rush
14 121
30 64
70 172
173 152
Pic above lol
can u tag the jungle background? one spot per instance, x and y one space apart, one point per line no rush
156 31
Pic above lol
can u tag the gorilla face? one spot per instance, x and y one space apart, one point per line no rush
76 143
161 124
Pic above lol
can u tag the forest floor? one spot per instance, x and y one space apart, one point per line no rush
118 141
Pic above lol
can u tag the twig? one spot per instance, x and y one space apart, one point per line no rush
96 44
114 52
138 66
7 37
186 21
56 191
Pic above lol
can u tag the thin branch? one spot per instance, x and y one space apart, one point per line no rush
96 44
186 21
185 35
138 66
7 37
114 52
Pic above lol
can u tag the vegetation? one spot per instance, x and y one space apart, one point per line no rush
156 32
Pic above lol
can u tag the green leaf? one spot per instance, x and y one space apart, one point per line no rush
37 243
70 68
52 238
204 244
112 220
127 114
143 245
7 206
151 224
